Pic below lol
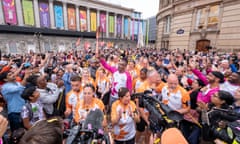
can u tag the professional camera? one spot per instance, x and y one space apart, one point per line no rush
228 131
89 131
161 116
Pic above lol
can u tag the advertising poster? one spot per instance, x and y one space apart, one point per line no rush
9 12
83 20
126 26
103 22
28 14
119 25
93 17
58 12
111 24
44 15
71 19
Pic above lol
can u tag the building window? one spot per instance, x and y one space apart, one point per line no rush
167 25
47 46
213 17
207 17
12 47
201 16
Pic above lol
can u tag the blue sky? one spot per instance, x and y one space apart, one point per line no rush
147 7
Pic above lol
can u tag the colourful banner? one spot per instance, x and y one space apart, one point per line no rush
58 12
83 20
10 12
136 27
132 28
111 24
27 7
119 25
126 26
103 22
44 14
93 17
71 19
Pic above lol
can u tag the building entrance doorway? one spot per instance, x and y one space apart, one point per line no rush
203 45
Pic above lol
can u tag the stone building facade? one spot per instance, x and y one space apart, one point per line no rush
35 24
199 25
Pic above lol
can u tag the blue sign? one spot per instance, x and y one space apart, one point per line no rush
58 11
180 31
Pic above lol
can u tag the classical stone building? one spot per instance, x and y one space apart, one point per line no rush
199 24
43 25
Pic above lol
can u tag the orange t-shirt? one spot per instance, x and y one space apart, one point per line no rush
82 109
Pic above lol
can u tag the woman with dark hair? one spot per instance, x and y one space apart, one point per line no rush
124 115
88 103
217 128
44 132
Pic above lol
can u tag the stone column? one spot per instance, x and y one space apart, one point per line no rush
107 28
36 13
19 13
65 15
98 18
122 34
88 20
77 18
115 25
52 19
1 14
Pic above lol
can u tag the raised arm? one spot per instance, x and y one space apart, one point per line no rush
107 66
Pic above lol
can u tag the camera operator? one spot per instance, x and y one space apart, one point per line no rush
220 100
154 85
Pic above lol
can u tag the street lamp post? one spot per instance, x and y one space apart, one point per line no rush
38 35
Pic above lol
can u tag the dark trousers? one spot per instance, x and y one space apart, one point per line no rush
131 141
191 132
15 121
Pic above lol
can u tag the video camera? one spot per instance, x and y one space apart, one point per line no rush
228 133
161 116
89 131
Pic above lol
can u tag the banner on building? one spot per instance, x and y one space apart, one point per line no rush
44 14
103 22
93 17
28 14
58 12
111 24
119 25
132 28
71 19
126 26
10 12
136 22
144 27
83 20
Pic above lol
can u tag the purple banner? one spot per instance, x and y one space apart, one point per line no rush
119 24
103 22
9 11
44 15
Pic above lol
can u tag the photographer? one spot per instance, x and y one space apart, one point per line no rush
216 128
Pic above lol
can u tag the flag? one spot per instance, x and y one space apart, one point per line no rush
140 37
86 45
78 42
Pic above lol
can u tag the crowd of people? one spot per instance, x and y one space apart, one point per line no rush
39 90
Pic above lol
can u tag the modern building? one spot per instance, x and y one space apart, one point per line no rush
151 35
199 25
43 25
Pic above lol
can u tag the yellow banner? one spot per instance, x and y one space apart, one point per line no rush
28 14
111 24
93 18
